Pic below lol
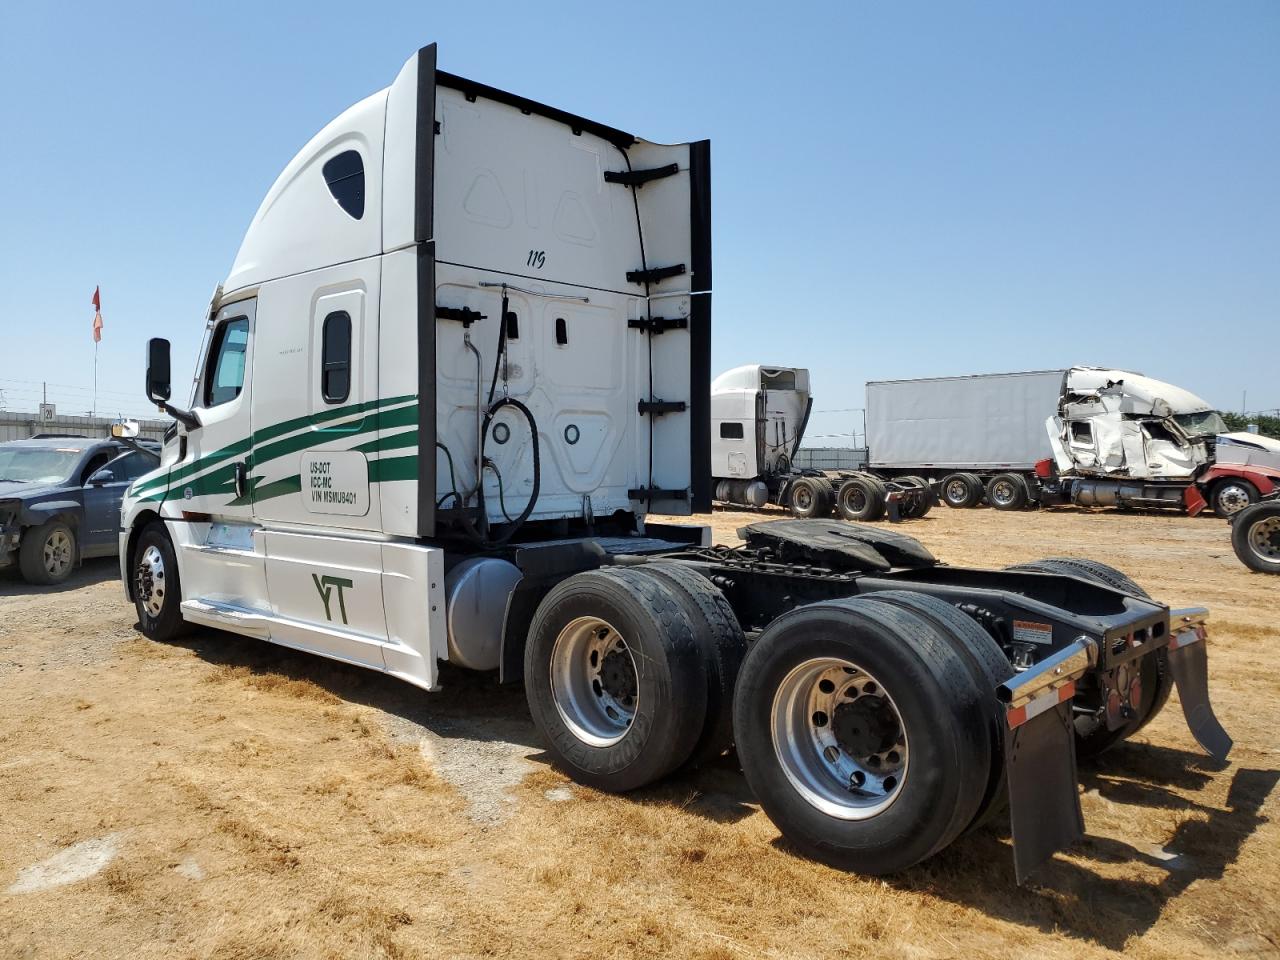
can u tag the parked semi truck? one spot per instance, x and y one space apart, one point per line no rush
1085 435
758 419
462 354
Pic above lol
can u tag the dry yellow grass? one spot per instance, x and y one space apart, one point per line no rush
268 804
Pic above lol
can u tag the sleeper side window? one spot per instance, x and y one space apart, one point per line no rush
335 357
1081 431
344 175
224 372
730 430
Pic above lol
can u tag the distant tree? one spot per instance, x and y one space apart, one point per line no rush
1268 426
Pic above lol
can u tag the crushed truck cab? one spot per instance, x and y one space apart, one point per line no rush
461 356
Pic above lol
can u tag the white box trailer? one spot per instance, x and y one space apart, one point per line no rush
1087 435
985 423
462 353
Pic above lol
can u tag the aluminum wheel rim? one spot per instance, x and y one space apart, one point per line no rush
828 758
1002 492
802 497
149 582
957 491
594 681
1232 499
855 499
1264 539
57 553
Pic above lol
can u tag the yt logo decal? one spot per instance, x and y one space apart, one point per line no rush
324 587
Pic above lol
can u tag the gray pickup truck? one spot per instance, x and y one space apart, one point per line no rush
60 502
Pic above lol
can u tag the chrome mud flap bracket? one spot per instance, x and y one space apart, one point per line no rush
1189 663
1040 756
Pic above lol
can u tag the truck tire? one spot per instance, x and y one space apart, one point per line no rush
1007 491
829 489
157 589
614 678
1230 495
808 497
863 732
1092 734
48 553
861 499
986 657
1255 536
723 646
961 490
919 499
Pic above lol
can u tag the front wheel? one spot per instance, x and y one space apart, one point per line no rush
1232 495
48 553
157 591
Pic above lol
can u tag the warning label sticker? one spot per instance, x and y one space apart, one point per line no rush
1028 631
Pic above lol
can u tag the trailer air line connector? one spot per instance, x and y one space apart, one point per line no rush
485 412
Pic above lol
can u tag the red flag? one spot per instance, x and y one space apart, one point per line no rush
97 315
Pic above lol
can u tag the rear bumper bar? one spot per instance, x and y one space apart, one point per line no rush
1039 731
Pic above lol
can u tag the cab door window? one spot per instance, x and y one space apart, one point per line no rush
224 372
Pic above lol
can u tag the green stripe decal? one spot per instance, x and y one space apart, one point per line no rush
222 479
380 471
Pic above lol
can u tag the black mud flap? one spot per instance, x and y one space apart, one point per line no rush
1044 799
1189 662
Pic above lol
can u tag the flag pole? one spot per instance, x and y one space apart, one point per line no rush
95 378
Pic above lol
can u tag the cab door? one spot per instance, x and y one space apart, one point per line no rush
318 467
220 554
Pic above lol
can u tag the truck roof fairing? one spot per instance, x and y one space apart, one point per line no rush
300 227
1148 391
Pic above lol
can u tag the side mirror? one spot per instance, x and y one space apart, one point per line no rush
102 477
125 429
158 379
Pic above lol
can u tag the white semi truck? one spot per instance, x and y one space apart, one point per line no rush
1085 435
462 353
758 420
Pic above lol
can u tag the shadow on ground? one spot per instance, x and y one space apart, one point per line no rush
976 871
1067 897
90 572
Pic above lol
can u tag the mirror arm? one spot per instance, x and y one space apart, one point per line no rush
185 417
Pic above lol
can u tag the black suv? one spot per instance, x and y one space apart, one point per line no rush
60 502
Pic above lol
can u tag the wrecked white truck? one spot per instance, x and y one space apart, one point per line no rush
1122 439
1115 439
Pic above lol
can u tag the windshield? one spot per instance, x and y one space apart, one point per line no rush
37 464
1207 423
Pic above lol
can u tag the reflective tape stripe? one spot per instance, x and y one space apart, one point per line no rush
1184 638
1038 705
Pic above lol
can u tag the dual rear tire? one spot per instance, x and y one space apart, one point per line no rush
629 673
1008 491
962 490
868 728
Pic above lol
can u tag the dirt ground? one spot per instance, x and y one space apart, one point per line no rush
224 798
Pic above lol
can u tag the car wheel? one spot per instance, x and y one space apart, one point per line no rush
48 553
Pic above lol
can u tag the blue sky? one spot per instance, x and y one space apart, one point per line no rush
900 189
